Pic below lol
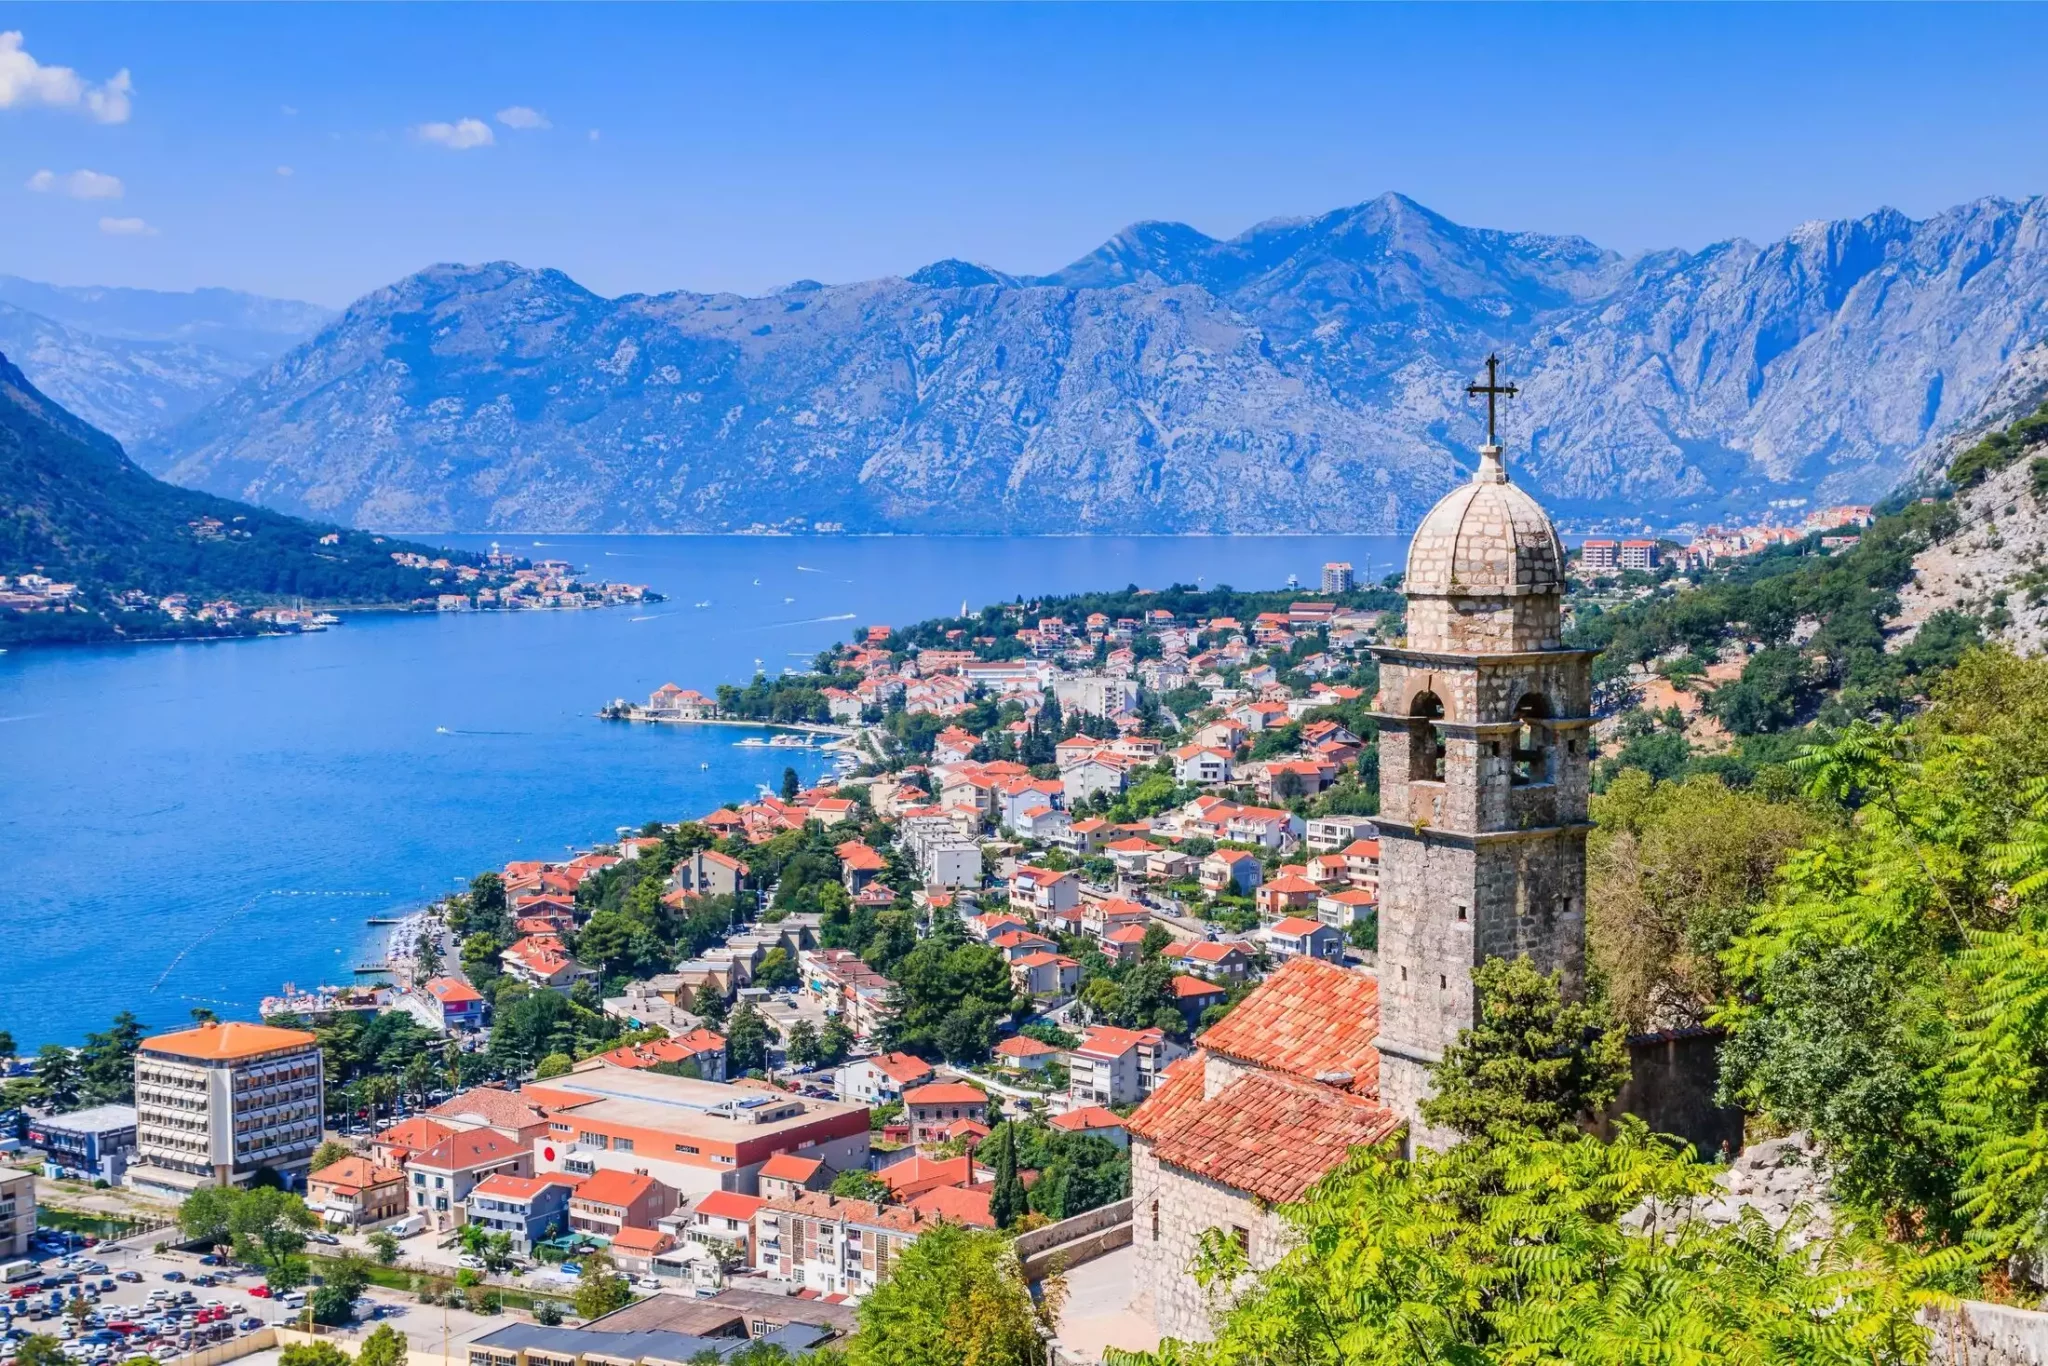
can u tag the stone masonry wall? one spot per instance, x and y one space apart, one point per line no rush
1185 1206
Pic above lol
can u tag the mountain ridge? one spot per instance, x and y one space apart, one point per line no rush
1306 374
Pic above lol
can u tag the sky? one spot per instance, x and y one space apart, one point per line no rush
319 152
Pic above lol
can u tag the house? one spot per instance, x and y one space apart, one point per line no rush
1022 1053
356 1191
541 961
1286 894
830 1246
1084 836
1268 827
1042 890
1073 750
1017 797
1045 974
709 872
915 1175
859 865
1193 996
1015 944
1224 959
1124 944
442 1177
1094 1122
965 1205
1089 777
1231 872
609 1200
1290 1074
1130 855
1117 1066
788 1173
1362 862
1327 871
493 1107
699 1048
396 1146
992 925
527 1209
633 1250
1351 906
882 1078
1171 865
1204 765
724 1222
1113 913
458 1004
937 1105
1292 936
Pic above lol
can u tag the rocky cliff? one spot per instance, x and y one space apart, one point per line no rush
1306 375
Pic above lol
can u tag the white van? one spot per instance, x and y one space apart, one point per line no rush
408 1226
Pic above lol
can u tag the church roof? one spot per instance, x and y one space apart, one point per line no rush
1486 538
1310 1019
1267 1135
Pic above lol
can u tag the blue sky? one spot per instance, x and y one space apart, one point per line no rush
741 147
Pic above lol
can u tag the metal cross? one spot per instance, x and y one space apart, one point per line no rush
1493 389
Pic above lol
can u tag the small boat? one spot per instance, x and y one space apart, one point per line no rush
443 730
703 765
705 603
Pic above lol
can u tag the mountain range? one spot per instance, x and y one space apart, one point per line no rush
1306 375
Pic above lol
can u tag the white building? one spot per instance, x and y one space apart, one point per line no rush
219 1103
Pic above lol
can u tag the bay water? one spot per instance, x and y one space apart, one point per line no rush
187 825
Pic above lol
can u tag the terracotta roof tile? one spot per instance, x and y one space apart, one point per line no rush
1310 1019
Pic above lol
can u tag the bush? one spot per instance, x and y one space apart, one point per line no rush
547 1313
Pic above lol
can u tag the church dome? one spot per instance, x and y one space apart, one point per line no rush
1486 538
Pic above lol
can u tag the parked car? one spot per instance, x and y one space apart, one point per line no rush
174 1275
261 1292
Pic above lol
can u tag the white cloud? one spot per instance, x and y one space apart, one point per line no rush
593 135
77 184
26 83
459 136
126 227
521 117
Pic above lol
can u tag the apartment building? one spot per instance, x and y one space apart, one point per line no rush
1118 1066
832 1245
17 1211
443 1176
528 1209
218 1103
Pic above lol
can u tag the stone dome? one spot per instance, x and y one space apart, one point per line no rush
1486 538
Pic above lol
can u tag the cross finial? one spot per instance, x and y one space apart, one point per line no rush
1494 390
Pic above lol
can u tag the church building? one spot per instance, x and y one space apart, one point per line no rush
1483 717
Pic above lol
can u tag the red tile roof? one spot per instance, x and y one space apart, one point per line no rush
524 1187
956 1204
1294 925
860 857
356 1174
945 1093
492 1105
915 1175
1190 987
222 1042
1024 1046
1088 1117
901 1068
1310 1019
449 992
729 1205
1265 1134
646 1241
416 1134
608 1187
1107 1041
469 1148
790 1167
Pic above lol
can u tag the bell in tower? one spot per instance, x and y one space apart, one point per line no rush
1483 771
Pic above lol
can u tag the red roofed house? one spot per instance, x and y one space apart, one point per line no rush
1233 871
1193 996
1022 1053
634 1249
1095 1122
1125 943
1297 936
609 1200
788 1173
935 1106
1275 1095
1046 974
395 1146
882 1078
1044 889
1286 894
1224 959
356 1191
724 1221
1117 1066
458 1003
700 1048
860 864
540 960
957 1205
1348 907
527 1209
442 1177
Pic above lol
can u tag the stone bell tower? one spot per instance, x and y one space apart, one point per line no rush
1483 772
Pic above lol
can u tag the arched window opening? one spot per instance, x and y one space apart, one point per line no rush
1426 739
1532 740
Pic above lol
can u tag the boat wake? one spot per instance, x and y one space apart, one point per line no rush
807 621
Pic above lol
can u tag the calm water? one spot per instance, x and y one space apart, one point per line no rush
194 825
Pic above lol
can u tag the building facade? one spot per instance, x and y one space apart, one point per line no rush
219 1103
1484 719
17 1211
93 1144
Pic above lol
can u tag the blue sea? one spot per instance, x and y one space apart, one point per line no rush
195 825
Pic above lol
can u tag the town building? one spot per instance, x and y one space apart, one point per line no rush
1637 555
93 1144
882 1078
634 1250
1599 556
531 1344
1338 578
356 1191
1294 936
787 1174
831 1245
17 1211
1484 729
610 1199
937 1106
691 1136
527 1209
455 1003
219 1103
442 1177
723 1222
1113 1066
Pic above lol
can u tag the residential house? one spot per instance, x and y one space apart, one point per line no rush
1021 1053
633 1250
1100 917
442 1177
1045 973
882 1078
356 1191
830 1246
1205 765
609 1200
1171 865
1224 959
1231 871
1118 1066
1292 936
1351 906
1018 797
1286 894
1040 891
1015 944
458 1004
1124 944
541 961
859 865
788 1173
938 1105
396 1146
1129 855
527 1209
992 925
1192 996
1085 779
724 1222
699 1048
1093 1121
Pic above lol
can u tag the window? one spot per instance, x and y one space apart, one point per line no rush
1242 1236
1426 739
1532 740
623 1145
1462 911
1443 983
685 1148
1155 1221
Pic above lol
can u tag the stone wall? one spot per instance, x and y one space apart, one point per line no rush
1170 1209
1671 1085
1980 1334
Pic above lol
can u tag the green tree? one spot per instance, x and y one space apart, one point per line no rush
746 1041
957 1297
600 1288
473 1237
791 784
57 1076
6 1044
554 1065
106 1064
801 1045
1501 1254
1532 1065
317 1353
385 1346
708 1002
1006 1203
329 1153
40 1349
384 1247
498 1252
778 971
857 1184
835 1043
